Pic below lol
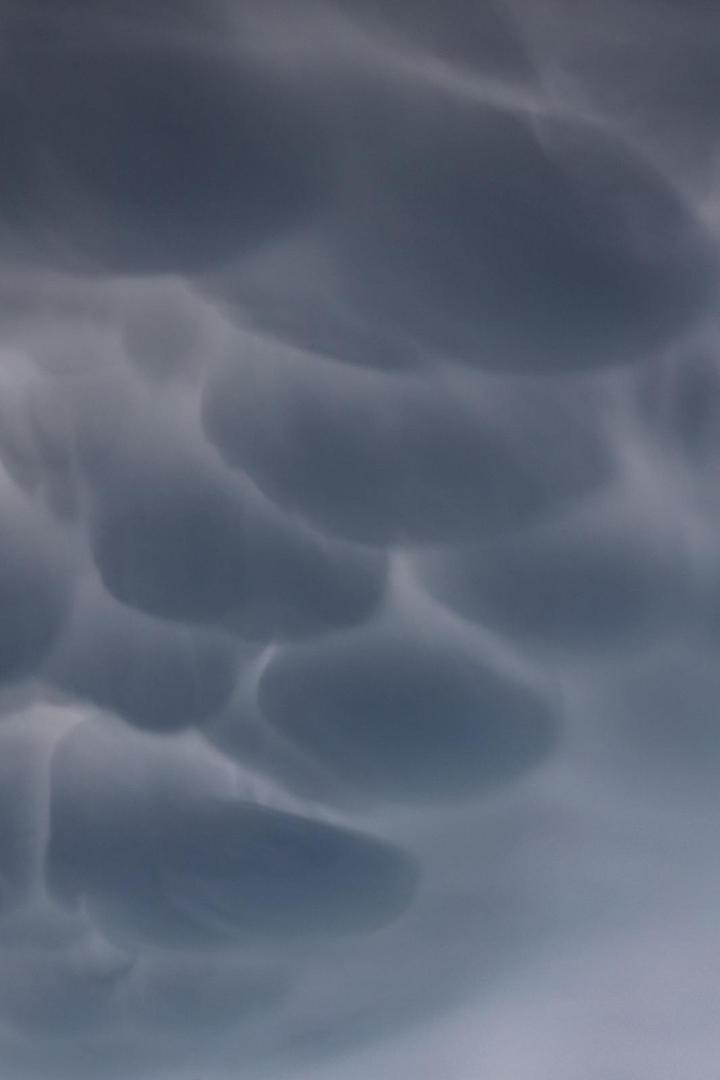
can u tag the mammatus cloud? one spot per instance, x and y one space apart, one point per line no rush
359 518
405 717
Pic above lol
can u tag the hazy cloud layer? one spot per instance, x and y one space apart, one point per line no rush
359 519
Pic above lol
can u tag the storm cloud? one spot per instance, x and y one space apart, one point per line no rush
359 519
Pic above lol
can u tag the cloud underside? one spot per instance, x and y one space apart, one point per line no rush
359 587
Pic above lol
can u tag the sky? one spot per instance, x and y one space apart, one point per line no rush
359 539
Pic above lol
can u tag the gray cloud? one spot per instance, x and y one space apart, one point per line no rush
404 717
359 570
158 861
154 156
382 458
589 585
483 36
523 242
155 674
35 587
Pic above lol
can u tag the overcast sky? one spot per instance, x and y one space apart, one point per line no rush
359 540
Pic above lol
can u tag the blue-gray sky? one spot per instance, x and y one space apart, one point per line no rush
359 532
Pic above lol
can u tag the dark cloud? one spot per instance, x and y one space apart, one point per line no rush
383 458
173 546
155 674
521 242
35 586
478 33
62 997
183 548
291 293
139 153
241 732
23 770
359 572
165 864
679 401
405 717
590 586
174 538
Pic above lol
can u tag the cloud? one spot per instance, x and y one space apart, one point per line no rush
381 458
404 717
174 537
155 674
155 860
196 554
152 154
522 242
589 585
35 587
358 539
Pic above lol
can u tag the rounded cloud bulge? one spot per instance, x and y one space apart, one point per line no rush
399 714
155 674
161 852
359 510
521 241
385 458
143 145
176 536
587 585
179 545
